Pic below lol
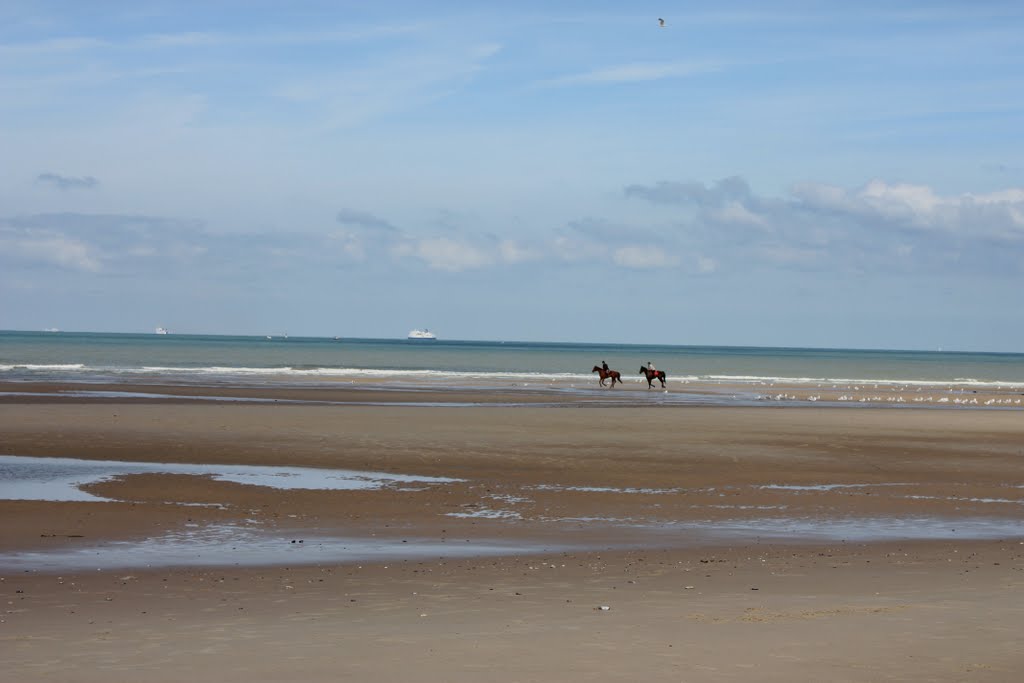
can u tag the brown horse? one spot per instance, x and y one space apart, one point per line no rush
605 374
652 375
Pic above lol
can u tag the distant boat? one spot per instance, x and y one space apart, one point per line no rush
422 335
51 329
162 330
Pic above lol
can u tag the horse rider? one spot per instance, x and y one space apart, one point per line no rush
604 366
650 366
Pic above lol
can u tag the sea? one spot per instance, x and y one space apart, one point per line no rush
211 360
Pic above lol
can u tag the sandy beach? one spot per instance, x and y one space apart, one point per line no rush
727 543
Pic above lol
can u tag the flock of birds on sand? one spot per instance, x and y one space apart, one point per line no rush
897 399
961 400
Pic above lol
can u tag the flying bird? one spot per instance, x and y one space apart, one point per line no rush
661 22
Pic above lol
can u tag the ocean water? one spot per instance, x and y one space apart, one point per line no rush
206 359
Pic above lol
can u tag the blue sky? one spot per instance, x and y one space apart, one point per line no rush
762 173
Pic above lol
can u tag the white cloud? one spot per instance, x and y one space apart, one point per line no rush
51 46
639 72
351 96
513 252
785 255
51 249
486 50
351 245
736 213
877 227
996 214
199 39
641 257
706 264
575 250
273 38
445 254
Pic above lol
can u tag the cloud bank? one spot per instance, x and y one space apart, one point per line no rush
689 227
879 226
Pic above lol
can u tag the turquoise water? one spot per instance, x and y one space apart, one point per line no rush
93 357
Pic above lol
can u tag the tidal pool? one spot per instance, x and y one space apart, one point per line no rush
242 544
239 545
61 479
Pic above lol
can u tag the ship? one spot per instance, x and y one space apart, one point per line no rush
426 335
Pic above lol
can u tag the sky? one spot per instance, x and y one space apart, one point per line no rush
810 174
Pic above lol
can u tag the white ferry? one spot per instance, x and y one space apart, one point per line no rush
422 334
162 330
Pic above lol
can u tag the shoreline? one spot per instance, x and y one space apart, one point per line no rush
388 390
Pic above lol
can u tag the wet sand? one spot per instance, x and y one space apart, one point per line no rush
609 490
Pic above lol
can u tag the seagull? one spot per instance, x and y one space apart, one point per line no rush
661 22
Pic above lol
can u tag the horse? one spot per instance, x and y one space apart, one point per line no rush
652 375
605 374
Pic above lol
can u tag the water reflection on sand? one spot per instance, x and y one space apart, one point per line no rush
239 545
249 543
61 479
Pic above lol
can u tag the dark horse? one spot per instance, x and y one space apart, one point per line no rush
652 375
605 374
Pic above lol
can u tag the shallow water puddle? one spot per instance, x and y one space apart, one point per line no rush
232 545
854 529
60 479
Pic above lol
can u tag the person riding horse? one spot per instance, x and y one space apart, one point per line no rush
651 374
604 373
